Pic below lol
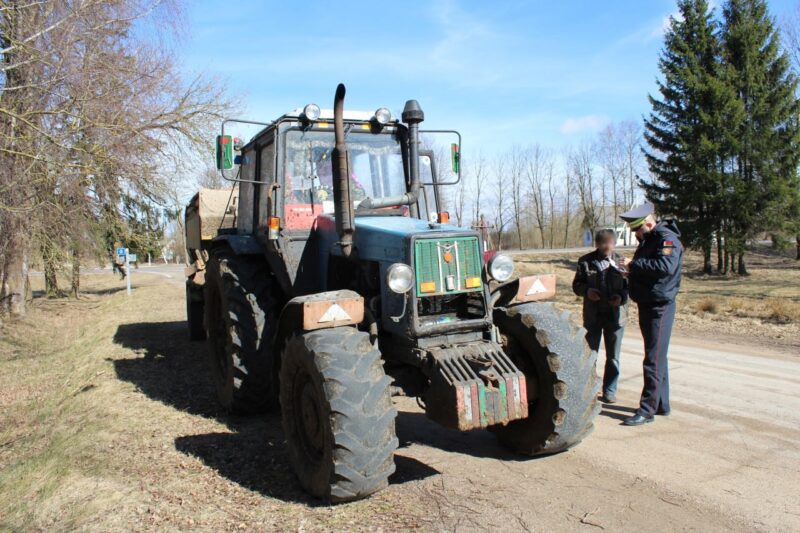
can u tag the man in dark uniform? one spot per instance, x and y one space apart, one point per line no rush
604 289
654 276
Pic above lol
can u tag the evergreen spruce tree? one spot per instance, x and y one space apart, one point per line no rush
687 129
767 153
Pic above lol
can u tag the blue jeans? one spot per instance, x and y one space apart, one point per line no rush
607 329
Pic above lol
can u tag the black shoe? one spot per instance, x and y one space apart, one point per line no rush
662 412
637 420
608 398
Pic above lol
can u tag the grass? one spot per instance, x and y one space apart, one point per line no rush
706 305
108 421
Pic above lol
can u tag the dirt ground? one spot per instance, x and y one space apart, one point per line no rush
108 422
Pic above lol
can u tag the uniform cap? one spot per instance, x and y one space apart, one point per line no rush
636 216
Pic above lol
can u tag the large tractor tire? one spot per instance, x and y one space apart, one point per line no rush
561 376
338 417
194 312
239 321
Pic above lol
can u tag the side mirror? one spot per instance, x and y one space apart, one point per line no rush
224 152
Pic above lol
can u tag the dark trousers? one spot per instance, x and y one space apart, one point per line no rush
655 321
607 328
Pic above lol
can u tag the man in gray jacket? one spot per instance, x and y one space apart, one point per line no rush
602 285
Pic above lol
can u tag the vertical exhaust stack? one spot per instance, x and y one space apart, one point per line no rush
413 115
343 207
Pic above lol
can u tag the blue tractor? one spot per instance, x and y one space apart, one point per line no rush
333 282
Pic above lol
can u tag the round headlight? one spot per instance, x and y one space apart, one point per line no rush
311 112
501 267
400 278
383 116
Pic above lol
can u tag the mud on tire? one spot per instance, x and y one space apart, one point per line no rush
562 379
338 417
239 322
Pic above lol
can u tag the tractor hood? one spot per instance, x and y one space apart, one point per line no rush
386 238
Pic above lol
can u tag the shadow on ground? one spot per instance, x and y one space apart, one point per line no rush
173 370
170 368
415 428
617 412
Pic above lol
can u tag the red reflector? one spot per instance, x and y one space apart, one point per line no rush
444 217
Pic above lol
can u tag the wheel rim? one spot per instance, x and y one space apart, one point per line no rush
308 417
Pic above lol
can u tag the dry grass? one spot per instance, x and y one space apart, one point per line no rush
108 422
706 305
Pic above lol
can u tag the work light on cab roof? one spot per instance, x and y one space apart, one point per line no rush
382 116
311 112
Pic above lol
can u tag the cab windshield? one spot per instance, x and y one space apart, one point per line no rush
376 166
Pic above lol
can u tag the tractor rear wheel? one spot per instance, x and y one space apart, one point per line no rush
561 375
239 321
338 417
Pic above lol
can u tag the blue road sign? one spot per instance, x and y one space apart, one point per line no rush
120 252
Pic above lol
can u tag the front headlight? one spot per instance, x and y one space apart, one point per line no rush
501 267
400 278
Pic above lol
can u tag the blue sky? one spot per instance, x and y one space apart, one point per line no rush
503 73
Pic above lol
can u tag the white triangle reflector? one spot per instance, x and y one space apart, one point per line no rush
536 288
334 313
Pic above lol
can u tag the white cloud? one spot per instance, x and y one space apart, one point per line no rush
586 123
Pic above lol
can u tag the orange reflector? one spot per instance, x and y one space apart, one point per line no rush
427 286
473 283
444 217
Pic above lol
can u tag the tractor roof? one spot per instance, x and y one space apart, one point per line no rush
327 115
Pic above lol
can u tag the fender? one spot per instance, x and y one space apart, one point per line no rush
241 244
524 289
251 245
330 309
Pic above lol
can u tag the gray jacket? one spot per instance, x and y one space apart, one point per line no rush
588 277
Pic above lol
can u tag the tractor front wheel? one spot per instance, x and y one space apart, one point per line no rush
561 375
338 417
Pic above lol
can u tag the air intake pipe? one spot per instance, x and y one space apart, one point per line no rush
343 207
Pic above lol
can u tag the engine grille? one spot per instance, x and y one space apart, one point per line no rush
447 266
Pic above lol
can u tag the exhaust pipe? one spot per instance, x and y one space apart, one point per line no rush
343 207
413 115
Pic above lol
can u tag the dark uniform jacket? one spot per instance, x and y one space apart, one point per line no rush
588 277
655 272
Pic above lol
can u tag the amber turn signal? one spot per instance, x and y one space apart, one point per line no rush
274 227
472 283
427 286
